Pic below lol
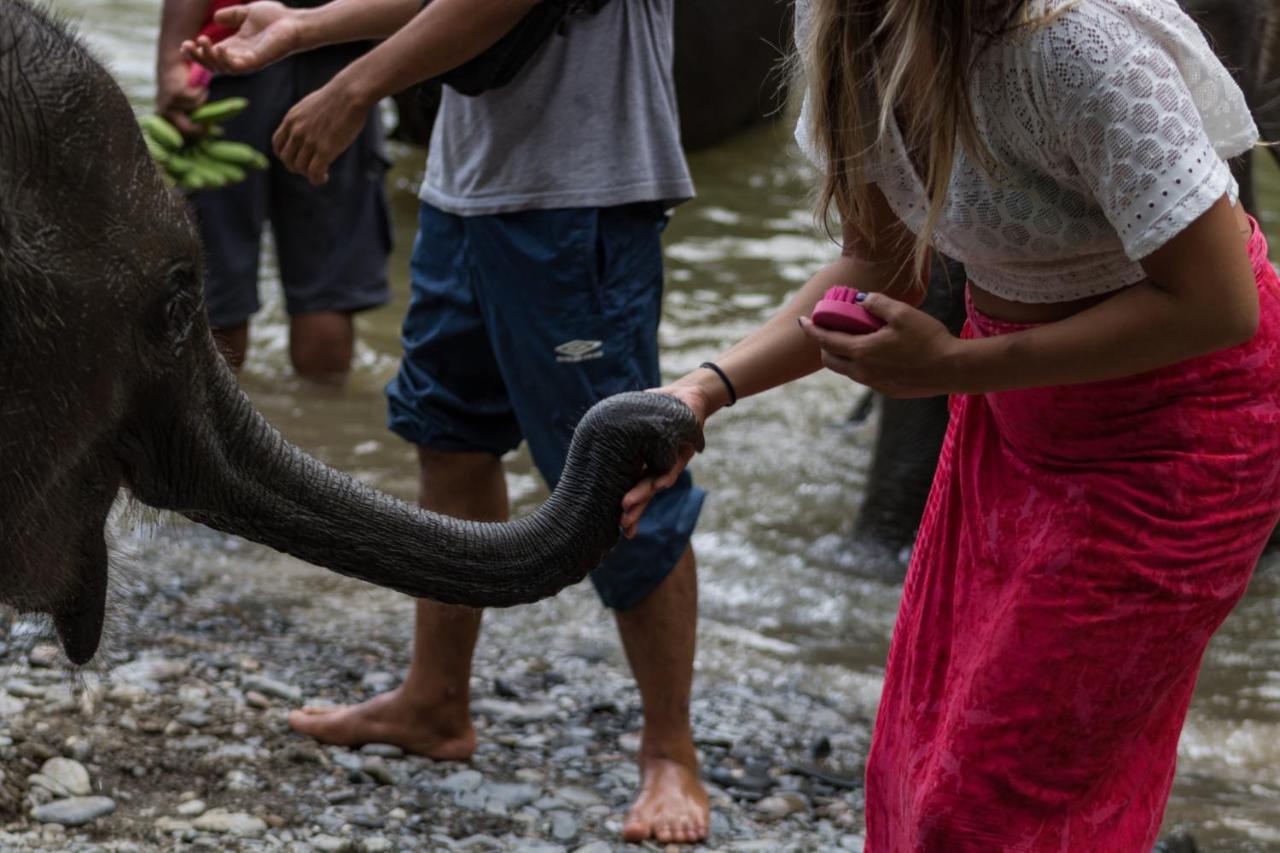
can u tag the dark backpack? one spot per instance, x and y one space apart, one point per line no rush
499 65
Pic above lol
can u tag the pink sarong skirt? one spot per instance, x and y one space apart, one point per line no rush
1080 546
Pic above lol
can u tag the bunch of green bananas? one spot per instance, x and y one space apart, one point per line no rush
204 163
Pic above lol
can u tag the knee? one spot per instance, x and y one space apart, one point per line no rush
320 346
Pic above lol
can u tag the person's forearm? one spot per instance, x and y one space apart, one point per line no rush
779 352
444 35
1201 296
1141 329
179 20
353 20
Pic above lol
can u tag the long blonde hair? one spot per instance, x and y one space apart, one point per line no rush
869 63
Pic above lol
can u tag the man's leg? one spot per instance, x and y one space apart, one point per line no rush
659 637
429 713
568 331
320 345
233 343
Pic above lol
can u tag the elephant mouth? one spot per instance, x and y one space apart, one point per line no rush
80 618
74 594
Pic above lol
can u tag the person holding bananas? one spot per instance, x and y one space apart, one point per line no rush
332 242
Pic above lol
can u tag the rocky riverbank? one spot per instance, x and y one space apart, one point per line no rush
178 738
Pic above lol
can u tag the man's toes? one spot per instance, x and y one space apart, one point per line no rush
636 830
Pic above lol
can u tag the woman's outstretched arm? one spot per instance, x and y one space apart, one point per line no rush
780 351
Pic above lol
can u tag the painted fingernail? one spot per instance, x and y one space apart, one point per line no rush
860 297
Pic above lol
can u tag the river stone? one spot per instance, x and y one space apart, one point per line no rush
852 842
39 780
515 712
75 811
43 655
271 687
11 706
563 826
523 845
595 847
463 780
580 797
191 808
328 843
23 689
230 823
375 844
513 796
382 750
149 673
779 806
77 747
378 771
68 773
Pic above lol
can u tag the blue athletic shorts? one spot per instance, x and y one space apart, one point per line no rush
518 323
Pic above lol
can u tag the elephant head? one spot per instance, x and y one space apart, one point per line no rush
109 378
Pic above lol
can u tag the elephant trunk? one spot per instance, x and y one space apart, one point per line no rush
229 469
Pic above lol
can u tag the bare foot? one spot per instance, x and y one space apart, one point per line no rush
672 807
395 718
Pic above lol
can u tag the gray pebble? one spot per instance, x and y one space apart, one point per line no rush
191 808
77 747
68 773
512 796
378 771
271 687
783 804
229 823
563 826
580 797
75 811
463 780
383 750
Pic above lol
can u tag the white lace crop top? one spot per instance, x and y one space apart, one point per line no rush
1110 122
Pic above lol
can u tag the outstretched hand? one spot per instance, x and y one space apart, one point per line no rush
636 501
319 128
912 355
265 32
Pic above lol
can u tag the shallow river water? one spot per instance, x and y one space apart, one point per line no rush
783 472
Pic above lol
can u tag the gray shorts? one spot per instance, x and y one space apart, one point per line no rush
332 241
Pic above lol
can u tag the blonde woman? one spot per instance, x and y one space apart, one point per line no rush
1112 467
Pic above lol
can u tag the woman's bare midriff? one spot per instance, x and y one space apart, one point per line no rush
1047 312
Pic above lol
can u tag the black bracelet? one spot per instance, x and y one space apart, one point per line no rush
711 365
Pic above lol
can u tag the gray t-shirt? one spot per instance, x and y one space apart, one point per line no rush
590 122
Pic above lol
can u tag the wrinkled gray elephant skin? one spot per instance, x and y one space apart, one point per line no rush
109 378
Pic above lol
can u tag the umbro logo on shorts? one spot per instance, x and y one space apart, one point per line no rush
574 351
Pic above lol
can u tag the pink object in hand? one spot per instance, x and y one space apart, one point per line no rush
198 76
838 311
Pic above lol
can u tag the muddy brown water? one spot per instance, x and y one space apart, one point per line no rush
784 474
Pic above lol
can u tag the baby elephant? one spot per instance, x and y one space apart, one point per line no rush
109 378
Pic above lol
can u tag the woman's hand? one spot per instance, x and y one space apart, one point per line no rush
319 128
912 355
636 501
266 31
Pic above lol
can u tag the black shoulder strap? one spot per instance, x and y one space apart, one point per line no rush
499 65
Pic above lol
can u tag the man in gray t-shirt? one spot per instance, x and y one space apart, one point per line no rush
536 291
